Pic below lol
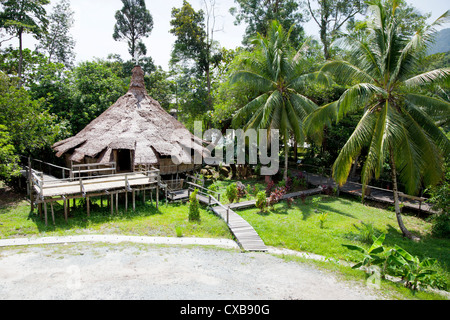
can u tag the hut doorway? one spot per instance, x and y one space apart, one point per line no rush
124 160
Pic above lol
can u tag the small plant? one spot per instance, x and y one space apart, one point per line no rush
179 231
261 201
241 191
366 231
399 262
276 196
315 202
194 207
269 187
413 271
232 192
322 219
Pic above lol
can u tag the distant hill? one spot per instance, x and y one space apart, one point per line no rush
442 43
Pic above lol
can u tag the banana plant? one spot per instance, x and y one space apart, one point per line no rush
371 256
411 269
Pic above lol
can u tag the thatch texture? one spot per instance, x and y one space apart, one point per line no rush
138 123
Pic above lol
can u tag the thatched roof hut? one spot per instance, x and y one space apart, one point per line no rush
135 131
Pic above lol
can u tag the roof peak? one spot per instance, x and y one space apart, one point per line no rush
137 80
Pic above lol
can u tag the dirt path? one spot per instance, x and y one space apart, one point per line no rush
136 271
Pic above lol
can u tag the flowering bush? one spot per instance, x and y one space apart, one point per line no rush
276 196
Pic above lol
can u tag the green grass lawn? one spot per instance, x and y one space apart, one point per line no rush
298 228
16 221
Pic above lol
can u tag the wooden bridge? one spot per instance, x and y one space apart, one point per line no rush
245 234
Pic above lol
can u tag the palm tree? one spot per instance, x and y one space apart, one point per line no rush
274 71
397 125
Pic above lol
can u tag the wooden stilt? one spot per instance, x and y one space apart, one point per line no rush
143 196
126 201
53 213
65 210
117 203
45 213
88 207
134 199
112 204
157 197
40 210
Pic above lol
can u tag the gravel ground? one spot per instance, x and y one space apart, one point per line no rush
153 272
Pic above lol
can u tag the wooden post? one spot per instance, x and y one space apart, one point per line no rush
65 209
112 204
157 197
45 213
30 184
117 203
88 207
53 213
126 201
143 196
134 199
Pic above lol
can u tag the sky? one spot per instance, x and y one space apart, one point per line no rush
94 25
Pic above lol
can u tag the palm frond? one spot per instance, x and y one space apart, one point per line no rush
319 119
361 137
244 113
358 97
347 72
430 77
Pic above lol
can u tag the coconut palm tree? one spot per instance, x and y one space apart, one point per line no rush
273 70
397 125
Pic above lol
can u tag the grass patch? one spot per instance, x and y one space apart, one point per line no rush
168 221
299 228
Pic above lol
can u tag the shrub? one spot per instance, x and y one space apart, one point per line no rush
194 207
269 187
276 196
241 190
261 201
399 262
232 192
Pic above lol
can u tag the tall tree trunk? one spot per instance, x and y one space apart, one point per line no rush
398 214
286 160
20 57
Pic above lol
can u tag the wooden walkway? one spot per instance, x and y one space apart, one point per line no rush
376 194
245 234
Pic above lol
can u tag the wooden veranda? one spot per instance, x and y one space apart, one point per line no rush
45 190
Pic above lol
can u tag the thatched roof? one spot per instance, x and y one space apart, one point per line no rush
135 122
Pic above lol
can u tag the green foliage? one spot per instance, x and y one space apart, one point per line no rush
322 219
399 262
274 70
395 110
8 158
258 14
440 201
194 207
24 16
330 16
57 43
96 89
232 192
261 201
30 127
133 22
